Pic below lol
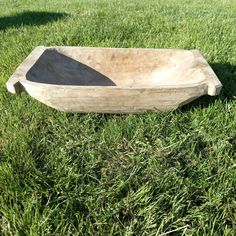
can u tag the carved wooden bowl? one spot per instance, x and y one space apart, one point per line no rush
114 80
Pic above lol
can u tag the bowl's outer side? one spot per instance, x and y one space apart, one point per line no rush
114 100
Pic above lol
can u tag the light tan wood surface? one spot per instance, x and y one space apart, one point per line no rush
114 80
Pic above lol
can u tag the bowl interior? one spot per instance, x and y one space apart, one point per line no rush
115 67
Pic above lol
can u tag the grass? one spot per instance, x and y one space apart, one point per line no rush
93 174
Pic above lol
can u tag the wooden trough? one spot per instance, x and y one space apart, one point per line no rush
114 80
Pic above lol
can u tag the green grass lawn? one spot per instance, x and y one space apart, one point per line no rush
93 174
